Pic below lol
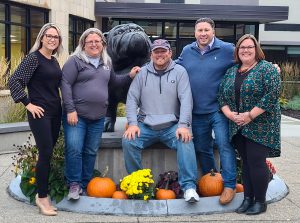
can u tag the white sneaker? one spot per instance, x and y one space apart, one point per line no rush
190 195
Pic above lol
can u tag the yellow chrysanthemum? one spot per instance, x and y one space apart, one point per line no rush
137 184
32 180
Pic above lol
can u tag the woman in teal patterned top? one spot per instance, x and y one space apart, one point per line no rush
248 96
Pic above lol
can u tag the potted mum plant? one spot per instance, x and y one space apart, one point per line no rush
138 185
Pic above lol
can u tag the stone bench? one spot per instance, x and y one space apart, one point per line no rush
158 157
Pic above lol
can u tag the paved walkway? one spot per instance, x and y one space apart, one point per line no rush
286 210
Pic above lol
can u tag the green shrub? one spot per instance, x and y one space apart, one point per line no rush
293 104
25 162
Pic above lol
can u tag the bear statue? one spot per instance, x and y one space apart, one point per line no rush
128 46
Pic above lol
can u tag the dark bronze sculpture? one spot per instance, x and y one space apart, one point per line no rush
128 46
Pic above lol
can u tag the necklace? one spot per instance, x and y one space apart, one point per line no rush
242 71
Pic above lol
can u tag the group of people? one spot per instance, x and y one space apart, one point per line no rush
212 87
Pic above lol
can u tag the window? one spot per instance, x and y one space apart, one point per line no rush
171 1
170 29
18 41
18 15
225 32
77 26
293 50
2 12
19 26
180 33
278 54
2 40
152 28
275 53
187 29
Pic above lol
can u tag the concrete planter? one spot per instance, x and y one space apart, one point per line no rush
277 190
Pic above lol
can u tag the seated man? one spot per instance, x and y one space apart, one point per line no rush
161 91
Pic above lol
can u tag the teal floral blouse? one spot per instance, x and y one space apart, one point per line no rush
261 88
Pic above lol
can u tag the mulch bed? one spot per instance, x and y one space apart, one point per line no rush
291 113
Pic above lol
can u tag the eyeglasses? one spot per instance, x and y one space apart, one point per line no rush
50 37
90 43
246 47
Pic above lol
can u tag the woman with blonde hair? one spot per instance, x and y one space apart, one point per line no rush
248 96
87 76
41 74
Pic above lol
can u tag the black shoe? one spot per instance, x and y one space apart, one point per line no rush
257 208
246 204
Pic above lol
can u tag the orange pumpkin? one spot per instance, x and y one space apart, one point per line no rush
164 194
211 184
101 187
119 195
239 188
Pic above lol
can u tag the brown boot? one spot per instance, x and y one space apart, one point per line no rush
227 195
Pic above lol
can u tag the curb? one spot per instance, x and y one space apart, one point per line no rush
290 118
277 190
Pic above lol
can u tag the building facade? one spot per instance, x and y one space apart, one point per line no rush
21 20
275 23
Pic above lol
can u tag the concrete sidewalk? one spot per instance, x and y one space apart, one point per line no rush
286 210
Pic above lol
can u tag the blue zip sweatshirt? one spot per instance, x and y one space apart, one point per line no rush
206 73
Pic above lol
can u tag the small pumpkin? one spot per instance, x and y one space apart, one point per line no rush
211 184
101 186
165 194
119 195
239 188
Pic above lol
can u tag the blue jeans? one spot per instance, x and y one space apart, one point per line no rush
186 158
82 142
202 131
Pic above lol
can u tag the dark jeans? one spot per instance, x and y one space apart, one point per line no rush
45 131
255 172
203 125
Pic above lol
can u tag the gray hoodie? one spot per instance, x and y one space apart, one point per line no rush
163 100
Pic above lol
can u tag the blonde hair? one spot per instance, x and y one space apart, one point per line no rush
80 53
259 54
38 42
